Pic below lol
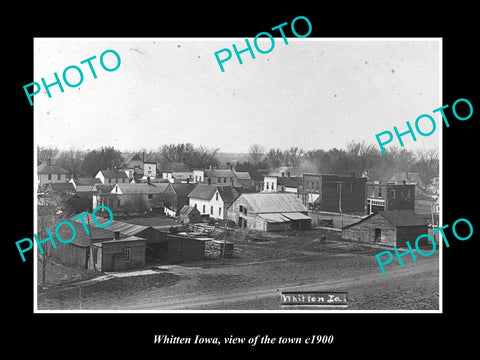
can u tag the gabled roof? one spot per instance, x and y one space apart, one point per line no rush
86 181
182 189
187 209
61 186
141 188
397 218
110 174
175 166
103 188
203 191
242 175
206 192
273 202
131 157
50 169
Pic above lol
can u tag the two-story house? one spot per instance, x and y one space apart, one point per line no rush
48 173
212 200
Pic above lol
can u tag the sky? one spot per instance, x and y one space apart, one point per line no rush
314 93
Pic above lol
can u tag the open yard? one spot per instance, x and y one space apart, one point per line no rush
261 269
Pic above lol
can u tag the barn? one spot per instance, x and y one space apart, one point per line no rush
390 228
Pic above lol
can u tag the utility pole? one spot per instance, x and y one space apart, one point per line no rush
340 200
92 260
224 243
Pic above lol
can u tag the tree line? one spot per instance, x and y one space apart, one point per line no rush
88 163
357 158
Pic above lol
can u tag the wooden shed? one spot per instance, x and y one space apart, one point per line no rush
391 228
190 214
120 254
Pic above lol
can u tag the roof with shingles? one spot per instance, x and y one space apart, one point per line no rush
182 189
103 188
273 202
50 169
206 192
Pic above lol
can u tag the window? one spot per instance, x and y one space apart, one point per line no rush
378 235
218 179
379 192
245 210
240 208
109 181
211 210
118 202
126 254
219 211
203 211
224 179
317 185
59 177
49 176
266 186
216 196
150 196
392 193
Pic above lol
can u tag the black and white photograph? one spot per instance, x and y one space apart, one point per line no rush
240 179
173 180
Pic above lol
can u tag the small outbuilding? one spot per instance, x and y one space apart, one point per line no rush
120 254
391 228
189 215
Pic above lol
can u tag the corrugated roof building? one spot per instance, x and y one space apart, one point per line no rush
269 212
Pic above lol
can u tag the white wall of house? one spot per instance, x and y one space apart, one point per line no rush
214 207
111 180
51 178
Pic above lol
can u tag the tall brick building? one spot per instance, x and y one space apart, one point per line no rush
334 193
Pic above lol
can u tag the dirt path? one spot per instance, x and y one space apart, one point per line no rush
187 301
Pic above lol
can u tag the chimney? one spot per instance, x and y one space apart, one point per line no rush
148 180
116 235
143 156
404 182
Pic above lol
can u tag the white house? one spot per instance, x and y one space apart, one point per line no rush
51 174
112 177
212 200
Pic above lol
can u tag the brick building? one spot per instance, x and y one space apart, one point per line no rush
333 193
390 196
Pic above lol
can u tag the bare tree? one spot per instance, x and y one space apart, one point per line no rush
294 155
255 153
44 222
274 158
71 160
47 154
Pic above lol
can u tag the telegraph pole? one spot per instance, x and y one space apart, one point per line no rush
340 200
